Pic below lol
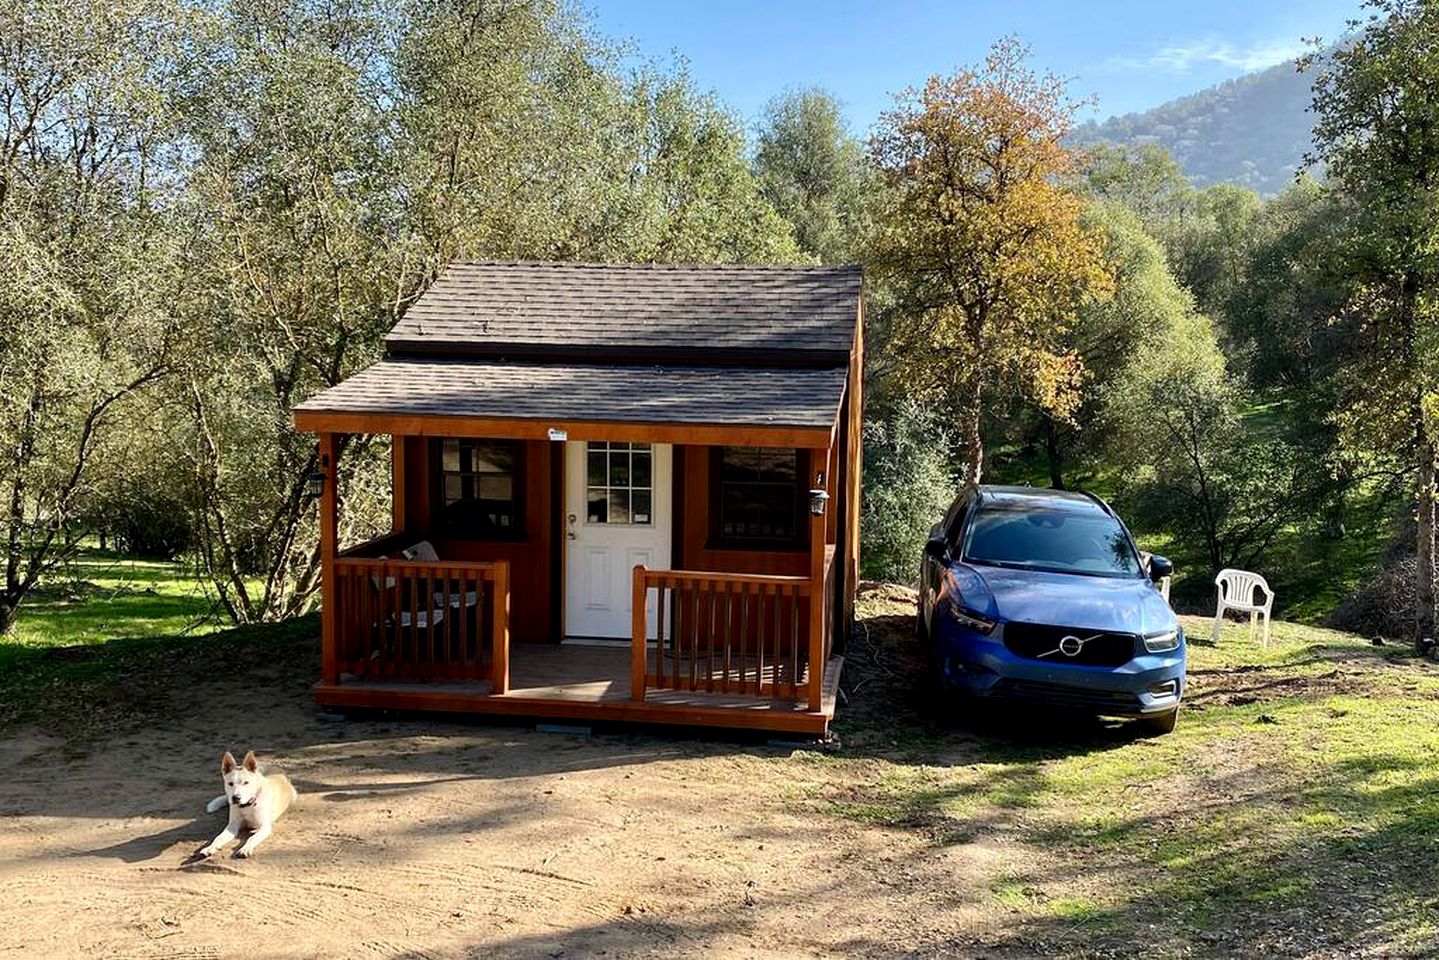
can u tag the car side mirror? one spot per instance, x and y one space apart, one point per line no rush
936 549
1160 567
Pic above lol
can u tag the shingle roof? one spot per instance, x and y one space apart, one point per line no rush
721 396
487 306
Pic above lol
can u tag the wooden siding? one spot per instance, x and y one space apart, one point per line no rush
692 472
530 560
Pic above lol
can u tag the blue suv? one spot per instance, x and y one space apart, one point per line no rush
1041 595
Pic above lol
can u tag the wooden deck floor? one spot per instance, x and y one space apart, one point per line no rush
577 682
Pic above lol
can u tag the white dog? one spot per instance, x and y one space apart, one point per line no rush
256 801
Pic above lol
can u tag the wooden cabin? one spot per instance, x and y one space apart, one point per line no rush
620 492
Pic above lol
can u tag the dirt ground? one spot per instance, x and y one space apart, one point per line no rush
421 839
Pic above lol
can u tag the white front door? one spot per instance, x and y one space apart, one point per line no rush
617 515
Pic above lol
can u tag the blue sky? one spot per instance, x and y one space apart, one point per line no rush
1130 55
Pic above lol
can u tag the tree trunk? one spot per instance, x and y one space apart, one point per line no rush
1424 588
8 616
973 433
1052 454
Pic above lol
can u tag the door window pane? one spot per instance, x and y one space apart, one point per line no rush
619 483
619 506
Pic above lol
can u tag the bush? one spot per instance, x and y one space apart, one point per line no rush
907 486
1384 605
146 517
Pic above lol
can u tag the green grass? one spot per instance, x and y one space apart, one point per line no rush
108 635
1302 782
99 596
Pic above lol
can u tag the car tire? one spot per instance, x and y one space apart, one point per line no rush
921 629
1162 722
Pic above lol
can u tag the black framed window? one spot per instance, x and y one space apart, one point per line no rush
757 497
479 488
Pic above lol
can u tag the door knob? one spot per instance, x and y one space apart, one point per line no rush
571 532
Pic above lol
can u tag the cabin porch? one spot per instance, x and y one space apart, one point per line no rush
454 633
574 682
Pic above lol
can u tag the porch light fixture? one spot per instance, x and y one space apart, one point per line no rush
315 480
817 500
315 484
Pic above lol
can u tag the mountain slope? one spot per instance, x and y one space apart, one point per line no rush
1253 130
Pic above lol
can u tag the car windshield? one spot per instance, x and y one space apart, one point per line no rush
1060 540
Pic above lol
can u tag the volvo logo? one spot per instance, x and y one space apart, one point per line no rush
1070 645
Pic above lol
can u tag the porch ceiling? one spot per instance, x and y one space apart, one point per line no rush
780 405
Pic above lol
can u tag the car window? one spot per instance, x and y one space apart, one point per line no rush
954 518
1060 540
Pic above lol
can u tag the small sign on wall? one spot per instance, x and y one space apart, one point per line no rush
558 435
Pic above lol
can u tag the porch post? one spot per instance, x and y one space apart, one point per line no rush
818 463
329 534
639 626
398 503
500 642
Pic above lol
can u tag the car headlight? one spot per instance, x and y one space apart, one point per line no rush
967 618
1162 642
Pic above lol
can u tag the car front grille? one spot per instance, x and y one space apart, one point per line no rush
1089 648
1103 701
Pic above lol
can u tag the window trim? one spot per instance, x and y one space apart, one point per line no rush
440 525
716 540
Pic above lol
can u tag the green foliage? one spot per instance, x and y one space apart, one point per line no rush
1143 179
145 515
1377 130
812 171
88 256
1149 314
1196 467
1286 315
907 485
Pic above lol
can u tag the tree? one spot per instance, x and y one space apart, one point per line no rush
813 172
1207 234
343 155
907 483
1148 311
88 256
1191 463
1144 179
982 241
695 198
298 266
1377 132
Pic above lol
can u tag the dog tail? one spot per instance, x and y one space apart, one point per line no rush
216 805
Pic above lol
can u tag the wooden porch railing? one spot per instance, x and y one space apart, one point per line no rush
415 620
720 633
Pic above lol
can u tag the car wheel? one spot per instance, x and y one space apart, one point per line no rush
921 629
1162 722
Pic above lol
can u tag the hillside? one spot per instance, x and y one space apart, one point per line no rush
1253 130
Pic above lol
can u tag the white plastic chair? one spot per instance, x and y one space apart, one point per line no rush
1236 592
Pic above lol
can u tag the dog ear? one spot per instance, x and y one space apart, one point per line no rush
227 762
251 764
